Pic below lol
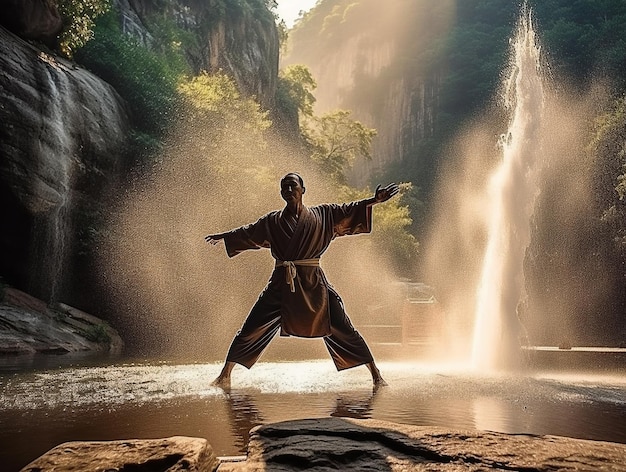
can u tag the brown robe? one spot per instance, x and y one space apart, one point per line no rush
304 312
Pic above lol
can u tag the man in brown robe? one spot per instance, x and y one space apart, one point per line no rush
298 299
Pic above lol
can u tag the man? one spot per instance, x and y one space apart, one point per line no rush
298 299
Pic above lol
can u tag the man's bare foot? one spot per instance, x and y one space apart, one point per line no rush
222 382
379 382
377 379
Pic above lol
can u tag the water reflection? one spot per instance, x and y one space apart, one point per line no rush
40 409
355 405
244 415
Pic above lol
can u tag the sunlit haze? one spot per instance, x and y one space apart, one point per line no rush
289 10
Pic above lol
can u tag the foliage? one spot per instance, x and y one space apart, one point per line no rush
260 9
391 231
336 141
146 78
232 127
295 90
283 34
97 333
585 38
78 22
608 149
215 99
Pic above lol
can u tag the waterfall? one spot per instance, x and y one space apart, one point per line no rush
513 190
55 150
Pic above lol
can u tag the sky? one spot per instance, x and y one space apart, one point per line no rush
289 10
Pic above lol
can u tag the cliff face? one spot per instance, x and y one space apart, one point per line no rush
242 43
61 140
377 60
65 132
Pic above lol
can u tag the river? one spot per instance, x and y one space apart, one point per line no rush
42 407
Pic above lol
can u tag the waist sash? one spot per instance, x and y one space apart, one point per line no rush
290 269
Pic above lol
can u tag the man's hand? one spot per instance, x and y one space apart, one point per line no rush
213 239
384 194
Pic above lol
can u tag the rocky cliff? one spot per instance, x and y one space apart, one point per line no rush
28 327
242 42
65 132
61 142
377 60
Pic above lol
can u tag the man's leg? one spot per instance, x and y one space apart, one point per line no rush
345 344
257 331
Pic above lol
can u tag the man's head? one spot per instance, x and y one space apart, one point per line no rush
292 188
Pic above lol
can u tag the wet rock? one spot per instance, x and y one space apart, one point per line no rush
29 326
173 454
347 444
61 148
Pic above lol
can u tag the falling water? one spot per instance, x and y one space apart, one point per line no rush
57 244
52 226
513 190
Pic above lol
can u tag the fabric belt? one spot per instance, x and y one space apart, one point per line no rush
291 272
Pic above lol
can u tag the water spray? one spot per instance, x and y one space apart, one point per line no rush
513 190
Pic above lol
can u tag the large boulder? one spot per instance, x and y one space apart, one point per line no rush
357 445
345 444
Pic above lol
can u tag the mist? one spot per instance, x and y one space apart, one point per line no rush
177 296
541 296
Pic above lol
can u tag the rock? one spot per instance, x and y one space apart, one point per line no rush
344 444
62 139
173 454
238 41
349 444
32 19
29 326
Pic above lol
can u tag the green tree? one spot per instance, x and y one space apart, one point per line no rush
232 127
608 150
296 85
391 231
146 78
216 99
79 22
336 140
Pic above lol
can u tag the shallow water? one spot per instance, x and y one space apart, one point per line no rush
40 409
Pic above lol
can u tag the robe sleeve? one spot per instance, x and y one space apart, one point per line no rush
352 218
252 236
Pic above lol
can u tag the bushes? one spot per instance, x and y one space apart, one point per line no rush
146 79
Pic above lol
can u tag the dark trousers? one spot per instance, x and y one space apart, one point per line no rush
346 346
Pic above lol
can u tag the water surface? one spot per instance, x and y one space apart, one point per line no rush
40 409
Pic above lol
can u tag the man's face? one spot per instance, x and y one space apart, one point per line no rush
290 189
